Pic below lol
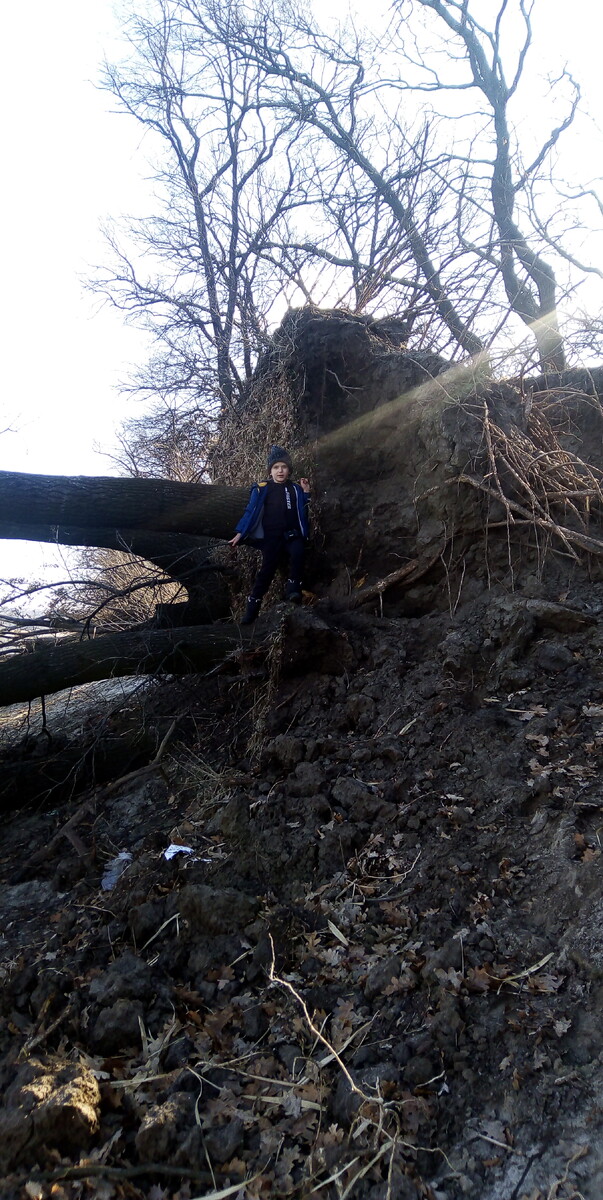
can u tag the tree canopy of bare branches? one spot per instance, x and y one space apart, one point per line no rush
299 161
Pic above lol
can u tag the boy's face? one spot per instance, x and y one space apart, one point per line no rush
279 472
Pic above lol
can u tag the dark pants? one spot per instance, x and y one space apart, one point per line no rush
275 548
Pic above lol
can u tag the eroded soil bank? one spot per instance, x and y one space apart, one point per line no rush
370 964
376 971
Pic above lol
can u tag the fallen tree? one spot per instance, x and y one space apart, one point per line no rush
204 510
416 465
134 652
164 522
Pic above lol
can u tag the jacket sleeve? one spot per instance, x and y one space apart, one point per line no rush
303 502
250 515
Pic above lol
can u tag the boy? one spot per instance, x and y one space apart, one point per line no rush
275 522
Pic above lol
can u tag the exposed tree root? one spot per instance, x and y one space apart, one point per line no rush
570 537
534 476
413 570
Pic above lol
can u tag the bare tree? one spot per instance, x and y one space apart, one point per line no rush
364 252
169 525
181 651
479 263
169 442
193 270
300 163
528 278
325 83
255 210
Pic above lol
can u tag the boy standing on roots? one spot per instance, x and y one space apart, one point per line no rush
275 522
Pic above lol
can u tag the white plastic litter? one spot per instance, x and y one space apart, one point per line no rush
114 869
173 849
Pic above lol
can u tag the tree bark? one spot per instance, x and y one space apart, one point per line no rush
176 652
205 510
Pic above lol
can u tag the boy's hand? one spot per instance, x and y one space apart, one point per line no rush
304 485
235 540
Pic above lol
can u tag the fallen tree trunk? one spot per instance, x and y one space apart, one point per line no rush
143 652
91 502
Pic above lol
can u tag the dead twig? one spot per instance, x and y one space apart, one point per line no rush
553 1191
415 569
99 1170
96 1170
87 809
34 1042
316 1032
150 767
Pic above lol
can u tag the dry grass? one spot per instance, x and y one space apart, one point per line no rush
212 788
264 702
246 435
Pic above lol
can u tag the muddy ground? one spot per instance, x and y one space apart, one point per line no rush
375 968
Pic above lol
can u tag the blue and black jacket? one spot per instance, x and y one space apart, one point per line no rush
250 526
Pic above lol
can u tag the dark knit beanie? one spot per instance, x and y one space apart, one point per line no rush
277 454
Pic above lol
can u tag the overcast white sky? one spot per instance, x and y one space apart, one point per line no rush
69 163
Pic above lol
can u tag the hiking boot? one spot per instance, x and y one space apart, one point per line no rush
293 592
251 612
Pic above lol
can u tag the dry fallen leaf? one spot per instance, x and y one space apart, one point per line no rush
590 854
450 978
337 933
545 983
477 979
562 1025
396 915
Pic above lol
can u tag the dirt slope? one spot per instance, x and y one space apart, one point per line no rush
375 970
377 973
